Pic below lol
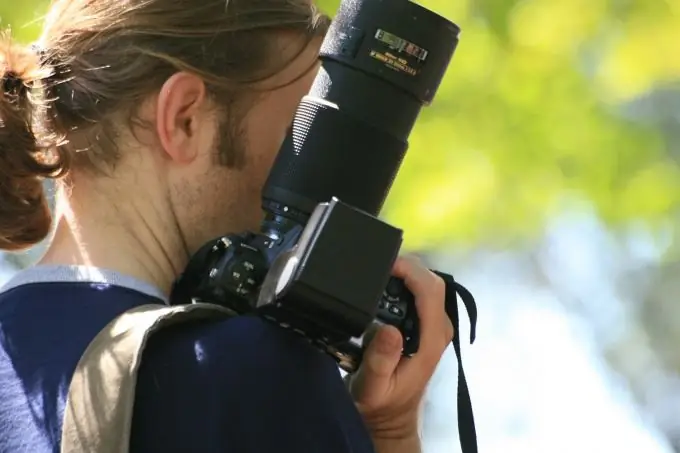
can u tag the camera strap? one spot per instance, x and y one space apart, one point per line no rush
466 420
101 394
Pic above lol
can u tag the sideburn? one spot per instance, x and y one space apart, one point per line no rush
231 142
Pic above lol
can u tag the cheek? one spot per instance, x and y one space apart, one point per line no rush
262 147
265 138
268 123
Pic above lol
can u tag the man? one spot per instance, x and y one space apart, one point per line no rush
160 119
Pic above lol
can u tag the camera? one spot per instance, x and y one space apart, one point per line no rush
321 261
320 264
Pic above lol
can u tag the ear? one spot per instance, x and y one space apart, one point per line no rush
180 114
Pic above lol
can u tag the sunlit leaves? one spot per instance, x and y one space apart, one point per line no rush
645 51
23 17
530 106
556 27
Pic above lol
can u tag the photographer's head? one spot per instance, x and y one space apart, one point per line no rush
161 119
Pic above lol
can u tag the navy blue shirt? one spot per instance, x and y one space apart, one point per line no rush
240 385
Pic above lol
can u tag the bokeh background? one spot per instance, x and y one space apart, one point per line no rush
545 176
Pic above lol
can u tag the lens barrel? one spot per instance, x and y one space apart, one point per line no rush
382 60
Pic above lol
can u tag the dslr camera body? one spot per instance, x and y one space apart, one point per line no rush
327 279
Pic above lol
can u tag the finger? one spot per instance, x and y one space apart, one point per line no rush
436 330
422 283
375 378
429 292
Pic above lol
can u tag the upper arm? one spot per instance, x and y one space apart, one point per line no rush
241 385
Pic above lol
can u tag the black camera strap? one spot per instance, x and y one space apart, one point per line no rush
466 420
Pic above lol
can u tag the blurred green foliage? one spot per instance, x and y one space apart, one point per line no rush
528 118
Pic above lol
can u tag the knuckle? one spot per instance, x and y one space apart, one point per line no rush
415 264
415 259
438 285
408 262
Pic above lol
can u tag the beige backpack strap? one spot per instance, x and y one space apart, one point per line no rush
98 414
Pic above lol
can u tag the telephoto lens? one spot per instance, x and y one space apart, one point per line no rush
382 60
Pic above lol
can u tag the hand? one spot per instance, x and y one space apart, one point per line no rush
388 388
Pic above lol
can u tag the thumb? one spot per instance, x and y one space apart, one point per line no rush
374 379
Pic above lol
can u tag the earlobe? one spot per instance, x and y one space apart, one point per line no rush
178 113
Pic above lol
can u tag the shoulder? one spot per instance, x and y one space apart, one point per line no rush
35 367
242 385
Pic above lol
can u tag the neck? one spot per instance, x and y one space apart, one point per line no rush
128 234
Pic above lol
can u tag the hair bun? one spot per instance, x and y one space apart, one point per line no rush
12 82
19 65
25 218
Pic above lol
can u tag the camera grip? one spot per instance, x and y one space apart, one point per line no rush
397 307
